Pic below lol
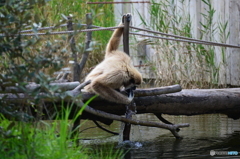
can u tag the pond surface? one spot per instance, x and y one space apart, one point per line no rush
206 132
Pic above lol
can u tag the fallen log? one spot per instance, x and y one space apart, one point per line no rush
186 102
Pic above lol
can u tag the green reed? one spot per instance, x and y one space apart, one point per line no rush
191 65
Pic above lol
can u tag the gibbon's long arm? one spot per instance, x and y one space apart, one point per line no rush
114 40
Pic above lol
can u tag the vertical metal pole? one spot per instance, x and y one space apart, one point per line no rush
126 21
129 108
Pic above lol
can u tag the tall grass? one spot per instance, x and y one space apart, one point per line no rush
48 140
26 140
191 65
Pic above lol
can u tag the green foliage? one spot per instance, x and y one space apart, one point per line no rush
26 140
25 58
34 59
47 140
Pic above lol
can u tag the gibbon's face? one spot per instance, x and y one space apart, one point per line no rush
135 79
138 80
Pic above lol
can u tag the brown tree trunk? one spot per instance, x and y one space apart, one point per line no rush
186 102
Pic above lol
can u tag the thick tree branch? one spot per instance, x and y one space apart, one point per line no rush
157 91
87 43
32 86
77 91
173 128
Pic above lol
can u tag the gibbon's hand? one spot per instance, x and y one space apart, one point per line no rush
130 92
129 17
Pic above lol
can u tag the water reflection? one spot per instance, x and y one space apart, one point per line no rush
206 132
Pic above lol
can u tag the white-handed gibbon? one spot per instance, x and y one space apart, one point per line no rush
114 72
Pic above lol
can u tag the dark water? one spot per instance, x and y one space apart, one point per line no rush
206 133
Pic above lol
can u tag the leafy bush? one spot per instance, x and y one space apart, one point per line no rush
33 59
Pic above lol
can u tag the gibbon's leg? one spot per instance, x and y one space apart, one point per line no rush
109 93
102 85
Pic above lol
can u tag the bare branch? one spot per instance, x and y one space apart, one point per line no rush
32 86
87 43
173 128
157 91
76 91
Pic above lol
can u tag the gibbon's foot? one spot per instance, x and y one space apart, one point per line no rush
129 17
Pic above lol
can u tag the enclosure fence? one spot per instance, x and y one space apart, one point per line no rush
98 28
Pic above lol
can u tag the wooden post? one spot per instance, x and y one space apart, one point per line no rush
75 68
87 43
129 108
126 21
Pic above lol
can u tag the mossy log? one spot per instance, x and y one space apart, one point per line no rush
186 102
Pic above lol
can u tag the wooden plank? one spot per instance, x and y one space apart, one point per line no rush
218 19
227 56
234 54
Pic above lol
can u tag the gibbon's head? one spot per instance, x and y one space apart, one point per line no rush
136 78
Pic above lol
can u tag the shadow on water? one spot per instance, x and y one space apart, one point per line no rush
206 132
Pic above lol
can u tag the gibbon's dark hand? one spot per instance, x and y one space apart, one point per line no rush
130 92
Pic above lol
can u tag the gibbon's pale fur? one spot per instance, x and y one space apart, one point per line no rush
114 72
